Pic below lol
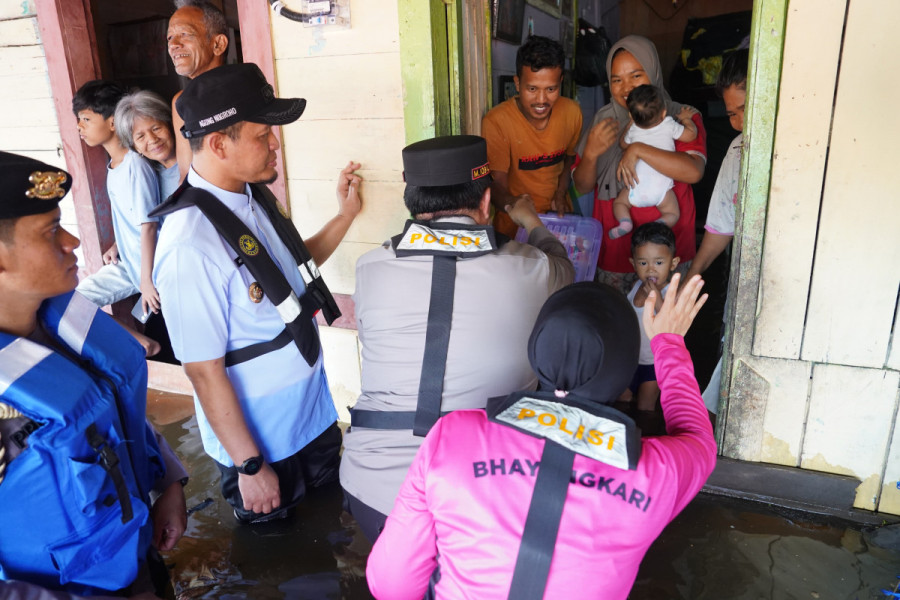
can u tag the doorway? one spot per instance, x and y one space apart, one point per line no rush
92 39
131 42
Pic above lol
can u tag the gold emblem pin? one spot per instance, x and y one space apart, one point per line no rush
248 245
47 185
256 293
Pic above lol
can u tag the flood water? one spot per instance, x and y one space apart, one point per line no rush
318 554
720 548
716 549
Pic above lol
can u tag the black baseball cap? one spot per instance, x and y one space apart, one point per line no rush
230 94
447 160
29 187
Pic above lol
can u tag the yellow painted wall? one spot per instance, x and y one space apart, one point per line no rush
351 81
819 390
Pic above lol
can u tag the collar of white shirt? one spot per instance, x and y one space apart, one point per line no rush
232 200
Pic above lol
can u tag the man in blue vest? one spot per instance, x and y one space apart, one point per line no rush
78 461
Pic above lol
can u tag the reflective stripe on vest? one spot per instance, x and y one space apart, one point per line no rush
84 525
76 322
18 358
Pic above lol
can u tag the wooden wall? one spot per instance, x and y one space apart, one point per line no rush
819 388
29 125
351 79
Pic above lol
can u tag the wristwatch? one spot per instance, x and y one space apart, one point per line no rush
251 466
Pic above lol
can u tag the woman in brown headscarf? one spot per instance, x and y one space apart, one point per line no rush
605 167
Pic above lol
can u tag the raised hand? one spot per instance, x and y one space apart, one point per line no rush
678 310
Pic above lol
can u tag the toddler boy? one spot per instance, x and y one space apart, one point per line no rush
654 261
133 189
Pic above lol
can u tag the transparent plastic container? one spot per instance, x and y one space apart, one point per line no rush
580 236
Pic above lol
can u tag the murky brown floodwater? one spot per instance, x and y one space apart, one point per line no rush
318 554
717 549
720 548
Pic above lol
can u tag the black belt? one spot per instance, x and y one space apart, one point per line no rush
378 419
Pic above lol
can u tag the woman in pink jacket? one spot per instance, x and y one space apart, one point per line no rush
468 523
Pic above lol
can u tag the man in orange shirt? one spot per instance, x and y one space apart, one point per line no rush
531 137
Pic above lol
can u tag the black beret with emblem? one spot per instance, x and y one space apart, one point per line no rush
447 160
230 94
29 187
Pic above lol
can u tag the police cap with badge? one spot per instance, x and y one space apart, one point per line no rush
29 187
448 160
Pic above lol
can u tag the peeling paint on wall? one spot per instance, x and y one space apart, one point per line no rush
890 498
777 451
866 492
746 414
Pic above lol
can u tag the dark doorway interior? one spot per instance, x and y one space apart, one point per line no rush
131 42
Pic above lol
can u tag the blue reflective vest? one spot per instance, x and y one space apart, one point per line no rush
74 504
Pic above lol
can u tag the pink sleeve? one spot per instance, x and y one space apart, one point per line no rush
404 556
689 451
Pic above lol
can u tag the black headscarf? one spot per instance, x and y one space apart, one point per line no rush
585 342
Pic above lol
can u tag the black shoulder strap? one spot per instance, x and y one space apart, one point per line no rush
109 460
297 314
289 235
437 342
449 242
542 523
173 202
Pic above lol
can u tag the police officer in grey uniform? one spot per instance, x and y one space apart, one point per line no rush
444 311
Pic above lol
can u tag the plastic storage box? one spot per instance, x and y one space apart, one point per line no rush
580 236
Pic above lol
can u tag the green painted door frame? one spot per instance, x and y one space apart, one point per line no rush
764 76
429 56
433 64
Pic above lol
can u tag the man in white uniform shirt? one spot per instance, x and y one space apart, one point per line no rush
243 300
